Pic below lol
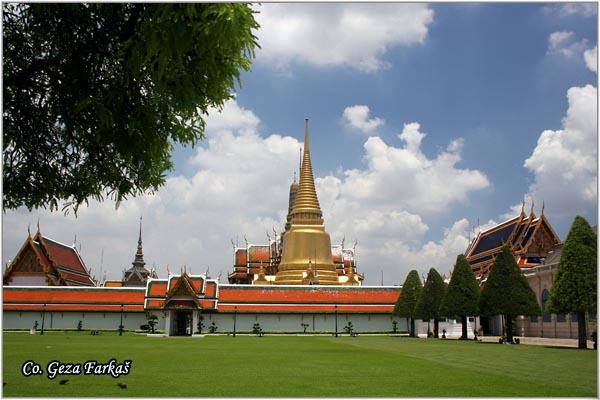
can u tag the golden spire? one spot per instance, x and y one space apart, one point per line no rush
306 244
306 204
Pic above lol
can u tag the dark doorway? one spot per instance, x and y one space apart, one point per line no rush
485 325
183 323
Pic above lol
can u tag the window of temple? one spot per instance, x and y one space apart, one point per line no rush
561 318
546 316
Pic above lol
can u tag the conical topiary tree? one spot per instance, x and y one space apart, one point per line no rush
462 296
574 288
428 306
506 291
406 304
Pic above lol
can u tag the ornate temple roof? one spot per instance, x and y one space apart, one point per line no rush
531 239
181 291
138 274
61 263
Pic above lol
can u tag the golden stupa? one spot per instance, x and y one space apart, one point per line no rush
306 246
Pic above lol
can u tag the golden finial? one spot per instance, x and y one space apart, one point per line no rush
306 201
542 207
532 202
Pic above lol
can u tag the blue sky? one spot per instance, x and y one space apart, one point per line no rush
482 81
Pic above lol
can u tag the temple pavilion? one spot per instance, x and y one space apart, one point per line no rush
531 239
42 261
302 254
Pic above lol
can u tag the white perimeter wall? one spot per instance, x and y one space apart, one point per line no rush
292 322
69 320
223 321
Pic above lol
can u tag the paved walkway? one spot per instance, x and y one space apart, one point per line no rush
540 341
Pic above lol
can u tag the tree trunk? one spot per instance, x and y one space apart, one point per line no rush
428 328
509 335
412 327
582 330
436 328
464 336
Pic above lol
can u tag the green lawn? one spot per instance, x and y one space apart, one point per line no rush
299 366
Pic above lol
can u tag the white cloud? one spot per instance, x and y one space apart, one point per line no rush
565 43
358 117
564 162
591 59
384 205
575 9
406 177
327 35
231 118
241 188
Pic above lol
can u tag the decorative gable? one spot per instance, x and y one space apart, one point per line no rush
181 291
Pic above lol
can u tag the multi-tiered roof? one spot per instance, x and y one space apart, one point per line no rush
531 239
42 259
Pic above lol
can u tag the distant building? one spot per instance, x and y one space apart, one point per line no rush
42 261
531 239
138 274
537 250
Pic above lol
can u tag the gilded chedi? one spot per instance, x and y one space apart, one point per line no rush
306 255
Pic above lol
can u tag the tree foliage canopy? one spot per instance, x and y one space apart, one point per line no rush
95 95
574 288
411 290
428 306
462 295
506 291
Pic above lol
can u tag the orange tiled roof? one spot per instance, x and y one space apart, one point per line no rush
259 253
113 284
69 299
242 298
307 308
63 255
309 298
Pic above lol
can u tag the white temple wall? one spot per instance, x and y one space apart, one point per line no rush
224 321
69 320
293 322
453 327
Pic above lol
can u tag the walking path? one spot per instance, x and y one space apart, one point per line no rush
540 341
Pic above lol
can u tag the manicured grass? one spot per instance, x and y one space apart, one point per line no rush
299 366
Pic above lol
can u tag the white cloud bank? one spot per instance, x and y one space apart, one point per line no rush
351 35
241 188
565 161
576 9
